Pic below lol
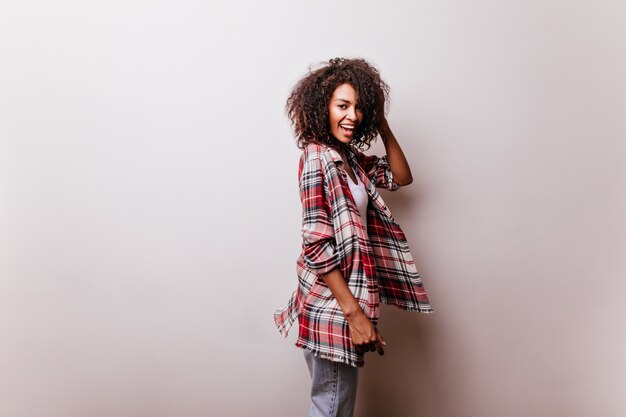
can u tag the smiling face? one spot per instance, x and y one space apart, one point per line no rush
343 113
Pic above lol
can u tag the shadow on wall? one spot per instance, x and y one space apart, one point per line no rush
403 382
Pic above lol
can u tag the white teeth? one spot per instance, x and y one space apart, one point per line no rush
347 127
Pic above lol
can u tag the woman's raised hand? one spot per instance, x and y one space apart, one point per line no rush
383 128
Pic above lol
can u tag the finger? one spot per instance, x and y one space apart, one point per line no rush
379 345
380 340
364 348
380 350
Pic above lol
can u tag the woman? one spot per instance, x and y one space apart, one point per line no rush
354 253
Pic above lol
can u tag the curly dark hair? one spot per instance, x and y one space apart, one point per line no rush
307 105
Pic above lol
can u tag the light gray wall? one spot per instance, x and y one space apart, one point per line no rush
149 212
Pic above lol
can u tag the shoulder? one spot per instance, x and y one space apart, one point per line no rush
313 160
320 159
316 151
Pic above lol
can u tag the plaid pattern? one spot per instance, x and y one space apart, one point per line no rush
377 263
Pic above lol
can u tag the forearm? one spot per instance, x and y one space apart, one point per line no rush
339 288
397 161
363 333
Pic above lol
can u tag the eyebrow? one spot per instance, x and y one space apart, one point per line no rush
343 99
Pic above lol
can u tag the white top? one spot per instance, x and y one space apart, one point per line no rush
360 197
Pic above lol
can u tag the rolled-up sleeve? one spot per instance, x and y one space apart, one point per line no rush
378 171
318 236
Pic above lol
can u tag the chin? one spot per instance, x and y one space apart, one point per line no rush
345 140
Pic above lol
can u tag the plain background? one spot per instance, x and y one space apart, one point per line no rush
149 209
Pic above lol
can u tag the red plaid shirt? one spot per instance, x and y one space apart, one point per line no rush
376 263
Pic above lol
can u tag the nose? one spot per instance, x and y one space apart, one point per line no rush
352 113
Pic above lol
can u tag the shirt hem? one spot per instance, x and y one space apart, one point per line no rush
419 309
329 356
282 325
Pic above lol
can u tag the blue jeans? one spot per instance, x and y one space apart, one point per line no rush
333 387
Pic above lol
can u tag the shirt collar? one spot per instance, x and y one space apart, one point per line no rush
334 155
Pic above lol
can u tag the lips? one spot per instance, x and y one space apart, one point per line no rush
347 129
346 132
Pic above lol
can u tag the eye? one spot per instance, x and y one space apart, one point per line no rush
342 106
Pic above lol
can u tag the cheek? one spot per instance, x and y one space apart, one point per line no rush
332 118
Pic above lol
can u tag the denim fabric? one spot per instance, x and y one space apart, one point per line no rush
333 387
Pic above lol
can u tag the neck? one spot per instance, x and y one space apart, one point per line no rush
343 148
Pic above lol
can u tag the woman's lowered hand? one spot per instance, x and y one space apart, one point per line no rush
365 336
